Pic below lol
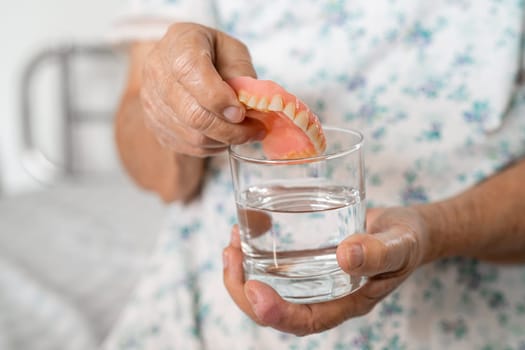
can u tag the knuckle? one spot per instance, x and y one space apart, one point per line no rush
191 53
317 326
366 309
413 256
178 29
322 322
175 28
369 302
197 117
382 261
315 323
184 64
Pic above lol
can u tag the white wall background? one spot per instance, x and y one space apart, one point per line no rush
27 26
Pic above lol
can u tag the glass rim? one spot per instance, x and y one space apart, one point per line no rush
356 146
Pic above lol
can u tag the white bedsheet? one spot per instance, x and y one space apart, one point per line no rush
69 257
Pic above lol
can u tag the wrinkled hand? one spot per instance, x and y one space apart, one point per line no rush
394 247
189 107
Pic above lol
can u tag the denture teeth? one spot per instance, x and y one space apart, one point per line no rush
252 102
318 144
262 105
315 143
244 97
276 104
301 120
289 110
313 133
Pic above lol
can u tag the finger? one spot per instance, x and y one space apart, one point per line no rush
302 319
175 134
372 214
233 274
378 287
160 119
182 136
183 148
233 58
235 239
193 115
379 253
167 140
194 67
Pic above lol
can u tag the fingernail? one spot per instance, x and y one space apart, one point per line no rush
233 114
252 297
355 256
225 259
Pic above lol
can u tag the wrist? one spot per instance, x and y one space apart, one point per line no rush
172 176
434 219
189 177
453 228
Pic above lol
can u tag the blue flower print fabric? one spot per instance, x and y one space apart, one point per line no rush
433 87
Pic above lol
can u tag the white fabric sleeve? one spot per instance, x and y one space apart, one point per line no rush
149 19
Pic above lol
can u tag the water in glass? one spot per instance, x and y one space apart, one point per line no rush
290 234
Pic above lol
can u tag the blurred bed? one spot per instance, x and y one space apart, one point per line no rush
72 249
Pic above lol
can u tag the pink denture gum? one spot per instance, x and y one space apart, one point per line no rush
293 131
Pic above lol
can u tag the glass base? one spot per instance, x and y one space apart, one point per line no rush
305 289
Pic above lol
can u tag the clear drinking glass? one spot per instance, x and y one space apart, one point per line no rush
293 213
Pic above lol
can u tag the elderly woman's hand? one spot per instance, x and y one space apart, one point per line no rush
396 244
189 106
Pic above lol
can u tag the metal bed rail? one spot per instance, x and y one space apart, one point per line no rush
34 160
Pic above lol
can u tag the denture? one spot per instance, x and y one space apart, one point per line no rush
293 130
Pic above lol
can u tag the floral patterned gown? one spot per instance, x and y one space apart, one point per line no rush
434 87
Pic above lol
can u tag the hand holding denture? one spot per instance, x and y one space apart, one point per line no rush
197 87
189 106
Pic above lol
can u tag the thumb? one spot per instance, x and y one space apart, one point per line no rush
232 58
383 252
